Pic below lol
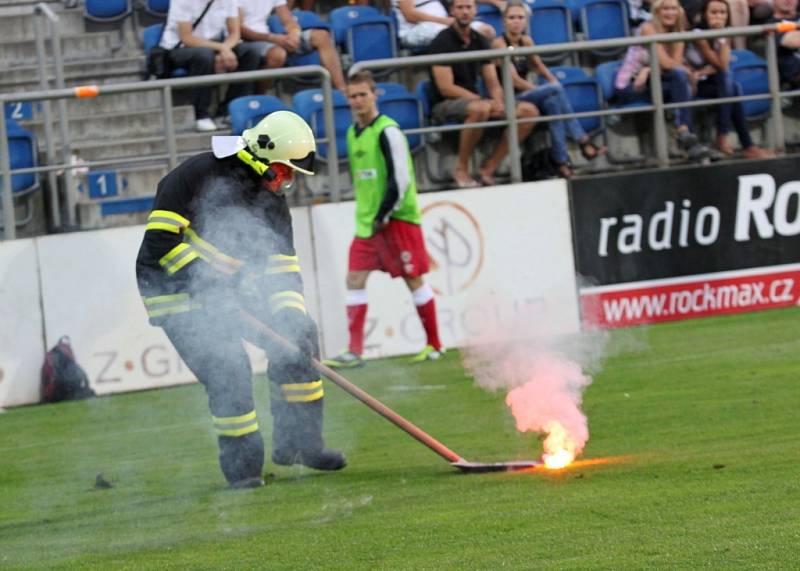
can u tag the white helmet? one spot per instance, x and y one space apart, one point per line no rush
280 137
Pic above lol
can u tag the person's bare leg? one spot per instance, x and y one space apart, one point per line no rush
740 16
477 112
525 110
275 58
322 42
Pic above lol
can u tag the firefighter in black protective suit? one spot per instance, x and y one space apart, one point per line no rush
219 239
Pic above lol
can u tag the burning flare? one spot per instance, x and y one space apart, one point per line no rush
549 403
559 449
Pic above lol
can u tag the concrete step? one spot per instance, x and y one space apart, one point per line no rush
75 47
26 78
114 125
136 189
187 143
19 25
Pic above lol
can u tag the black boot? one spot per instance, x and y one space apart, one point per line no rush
297 436
242 459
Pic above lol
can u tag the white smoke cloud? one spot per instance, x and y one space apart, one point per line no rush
545 376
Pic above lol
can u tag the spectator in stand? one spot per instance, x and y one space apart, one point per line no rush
742 13
275 47
204 38
457 95
633 76
550 98
709 62
309 4
788 43
419 21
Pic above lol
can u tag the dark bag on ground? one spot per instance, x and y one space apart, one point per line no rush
158 63
62 377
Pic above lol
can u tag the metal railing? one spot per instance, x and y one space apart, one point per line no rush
657 108
166 86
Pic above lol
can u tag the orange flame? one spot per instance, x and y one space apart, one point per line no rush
559 448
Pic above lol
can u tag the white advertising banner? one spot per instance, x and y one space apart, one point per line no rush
89 293
497 254
21 348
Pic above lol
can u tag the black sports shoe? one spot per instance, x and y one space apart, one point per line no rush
326 459
255 482
688 142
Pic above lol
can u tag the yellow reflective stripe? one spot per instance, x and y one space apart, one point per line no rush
178 257
165 298
160 305
170 215
289 305
281 263
282 269
237 431
287 300
236 425
302 386
168 226
172 253
221 261
282 258
234 419
302 392
166 220
182 262
306 398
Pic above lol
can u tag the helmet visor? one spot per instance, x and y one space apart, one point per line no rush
306 164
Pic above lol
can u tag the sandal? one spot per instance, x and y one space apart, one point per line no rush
564 170
589 151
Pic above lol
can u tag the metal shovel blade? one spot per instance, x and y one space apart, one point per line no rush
478 467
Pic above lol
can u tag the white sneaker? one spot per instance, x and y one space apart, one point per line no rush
205 125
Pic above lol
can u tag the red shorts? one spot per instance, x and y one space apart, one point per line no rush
398 250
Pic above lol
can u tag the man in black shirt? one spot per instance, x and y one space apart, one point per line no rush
456 94
788 42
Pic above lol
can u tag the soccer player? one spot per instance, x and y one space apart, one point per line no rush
388 233
220 239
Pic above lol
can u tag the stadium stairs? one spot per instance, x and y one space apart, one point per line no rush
101 128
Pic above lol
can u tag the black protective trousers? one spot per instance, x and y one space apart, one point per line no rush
210 342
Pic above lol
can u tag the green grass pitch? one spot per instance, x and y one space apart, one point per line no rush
699 418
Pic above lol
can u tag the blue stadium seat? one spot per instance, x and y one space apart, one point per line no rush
606 73
308 103
248 110
551 23
22 154
344 17
575 10
583 93
158 8
151 36
404 107
370 38
605 19
106 10
741 57
389 88
753 78
489 14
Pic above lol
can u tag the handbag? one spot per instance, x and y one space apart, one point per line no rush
159 64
